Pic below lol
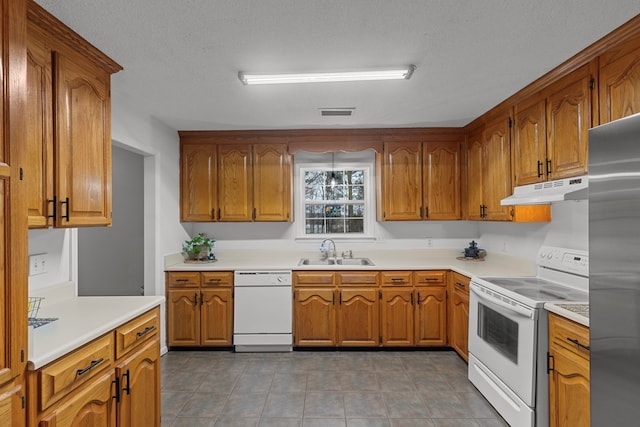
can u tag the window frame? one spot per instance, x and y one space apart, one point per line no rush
369 199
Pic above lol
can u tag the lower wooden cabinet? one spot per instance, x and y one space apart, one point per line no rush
139 384
200 309
11 412
569 359
101 384
314 317
358 321
396 316
369 308
459 319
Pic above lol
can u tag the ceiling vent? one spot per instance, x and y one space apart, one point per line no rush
337 112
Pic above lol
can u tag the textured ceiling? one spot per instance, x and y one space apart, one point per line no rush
181 57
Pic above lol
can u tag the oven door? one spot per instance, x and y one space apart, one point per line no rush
502 335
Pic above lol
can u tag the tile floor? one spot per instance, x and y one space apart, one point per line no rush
321 388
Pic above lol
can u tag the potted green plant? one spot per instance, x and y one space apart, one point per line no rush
198 248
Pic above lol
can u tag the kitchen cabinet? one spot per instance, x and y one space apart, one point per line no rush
431 308
488 177
569 390
13 212
200 308
619 80
370 308
198 182
551 129
459 319
420 181
397 308
489 171
113 380
69 126
358 310
314 309
239 182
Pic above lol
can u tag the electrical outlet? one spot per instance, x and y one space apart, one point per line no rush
37 264
429 242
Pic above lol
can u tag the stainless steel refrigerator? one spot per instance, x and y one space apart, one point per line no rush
614 277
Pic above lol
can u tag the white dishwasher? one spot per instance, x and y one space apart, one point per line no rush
262 314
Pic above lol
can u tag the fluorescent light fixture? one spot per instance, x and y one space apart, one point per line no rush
351 76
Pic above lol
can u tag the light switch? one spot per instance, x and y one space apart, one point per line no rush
37 264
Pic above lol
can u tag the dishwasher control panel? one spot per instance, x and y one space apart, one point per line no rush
262 278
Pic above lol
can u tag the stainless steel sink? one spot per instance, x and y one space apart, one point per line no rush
316 261
337 261
354 261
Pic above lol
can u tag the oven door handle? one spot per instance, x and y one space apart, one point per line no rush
523 311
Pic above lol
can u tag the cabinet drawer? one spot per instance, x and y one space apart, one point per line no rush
391 278
137 331
568 335
430 278
61 377
360 278
217 278
460 282
184 279
313 278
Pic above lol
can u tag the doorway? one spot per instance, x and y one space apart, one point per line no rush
111 259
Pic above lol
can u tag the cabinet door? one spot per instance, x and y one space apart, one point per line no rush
569 391
475 177
198 182
402 181
460 323
569 102
216 317
619 81
314 314
396 316
140 388
183 318
11 413
271 182
496 169
431 316
530 142
39 142
93 405
235 183
358 317
441 186
82 143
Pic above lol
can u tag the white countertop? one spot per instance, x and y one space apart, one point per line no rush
80 320
578 312
495 264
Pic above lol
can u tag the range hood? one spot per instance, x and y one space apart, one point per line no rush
544 193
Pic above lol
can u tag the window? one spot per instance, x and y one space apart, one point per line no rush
342 208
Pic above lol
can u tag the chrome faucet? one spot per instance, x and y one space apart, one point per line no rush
325 254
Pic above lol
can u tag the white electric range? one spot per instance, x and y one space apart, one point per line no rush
508 332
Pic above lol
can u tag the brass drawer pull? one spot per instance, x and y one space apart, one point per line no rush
145 331
92 365
579 344
460 285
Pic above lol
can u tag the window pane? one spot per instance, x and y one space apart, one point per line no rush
357 193
335 225
334 210
355 225
315 226
314 211
355 211
356 177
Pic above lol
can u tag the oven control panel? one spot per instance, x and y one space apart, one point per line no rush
563 259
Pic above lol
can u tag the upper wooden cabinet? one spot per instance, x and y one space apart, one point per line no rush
488 171
551 129
420 181
619 81
239 182
69 126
